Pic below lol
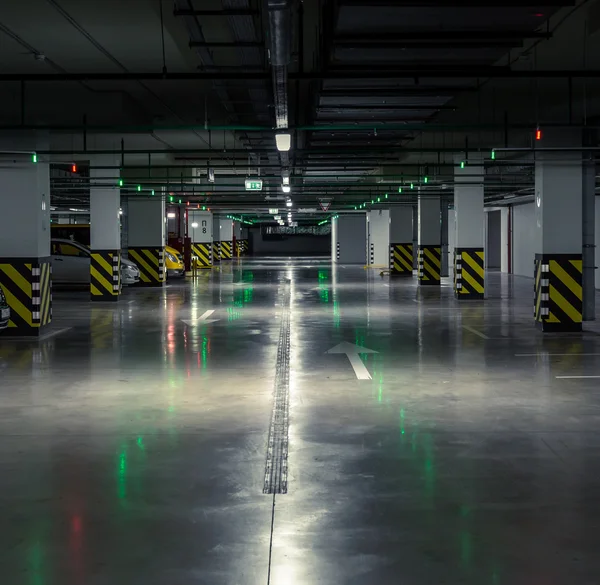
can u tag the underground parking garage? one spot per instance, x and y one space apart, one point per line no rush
299 291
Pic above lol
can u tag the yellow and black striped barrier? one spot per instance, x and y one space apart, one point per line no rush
151 264
558 292
469 273
226 250
216 249
203 255
105 275
430 265
401 259
27 286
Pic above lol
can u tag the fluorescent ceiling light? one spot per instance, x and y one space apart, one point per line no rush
283 140
286 188
171 215
194 225
285 179
288 203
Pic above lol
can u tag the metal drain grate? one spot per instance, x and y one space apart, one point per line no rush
276 466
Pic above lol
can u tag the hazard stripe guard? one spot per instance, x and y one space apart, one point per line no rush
203 255
430 265
151 263
27 286
401 259
469 273
216 248
105 275
226 250
558 292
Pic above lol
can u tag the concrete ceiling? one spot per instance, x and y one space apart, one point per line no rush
378 79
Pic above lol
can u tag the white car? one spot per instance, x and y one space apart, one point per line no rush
71 264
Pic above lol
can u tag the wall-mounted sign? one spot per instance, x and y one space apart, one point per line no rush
253 185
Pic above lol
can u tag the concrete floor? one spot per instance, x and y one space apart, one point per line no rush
133 446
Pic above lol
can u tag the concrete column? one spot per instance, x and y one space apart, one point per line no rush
589 239
25 263
216 247
237 236
415 215
444 237
558 234
429 252
105 230
226 237
147 225
244 246
401 241
335 249
351 235
200 231
378 235
469 270
504 239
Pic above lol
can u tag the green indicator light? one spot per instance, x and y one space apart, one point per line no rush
139 187
493 155
399 189
372 201
203 207
462 164
355 207
120 182
180 201
426 180
378 199
171 199
386 195
412 186
152 191
34 157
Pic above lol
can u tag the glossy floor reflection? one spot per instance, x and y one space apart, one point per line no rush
133 445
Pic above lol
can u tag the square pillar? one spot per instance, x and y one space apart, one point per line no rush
378 233
430 251
105 230
558 271
147 224
225 238
401 241
351 239
200 230
469 253
25 261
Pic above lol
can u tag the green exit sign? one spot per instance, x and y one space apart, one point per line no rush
253 185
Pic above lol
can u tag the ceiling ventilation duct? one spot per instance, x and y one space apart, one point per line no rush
280 29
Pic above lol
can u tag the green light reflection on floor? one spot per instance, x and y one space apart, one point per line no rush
35 562
122 473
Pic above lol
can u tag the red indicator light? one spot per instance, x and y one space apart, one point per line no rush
538 134
73 168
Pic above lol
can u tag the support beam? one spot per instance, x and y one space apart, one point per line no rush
224 12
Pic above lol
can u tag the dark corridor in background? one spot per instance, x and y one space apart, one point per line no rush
288 245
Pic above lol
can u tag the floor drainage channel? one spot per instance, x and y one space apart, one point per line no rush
276 466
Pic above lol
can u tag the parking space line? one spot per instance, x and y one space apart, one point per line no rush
474 331
576 377
543 354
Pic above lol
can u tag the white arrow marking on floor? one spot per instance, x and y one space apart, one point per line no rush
353 351
204 318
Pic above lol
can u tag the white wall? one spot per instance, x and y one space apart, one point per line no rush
523 239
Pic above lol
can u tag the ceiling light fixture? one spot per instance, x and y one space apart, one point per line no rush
171 215
288 203
286 188
194 225
283 140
